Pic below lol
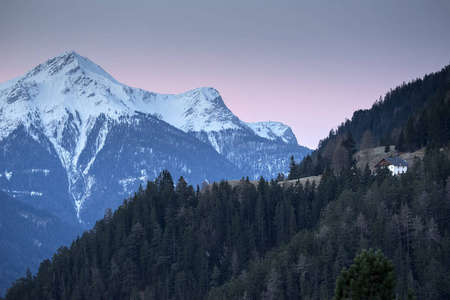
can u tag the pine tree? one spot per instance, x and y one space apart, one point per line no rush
308 165
401 143
372 276
350 144
410 135
293 169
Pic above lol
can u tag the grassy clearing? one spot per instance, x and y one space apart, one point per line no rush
377 154
285 183
374 157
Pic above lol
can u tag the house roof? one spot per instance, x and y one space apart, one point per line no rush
396 161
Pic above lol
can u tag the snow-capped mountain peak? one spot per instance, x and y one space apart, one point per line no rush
198 110
76 108
72 83
65 64
274 130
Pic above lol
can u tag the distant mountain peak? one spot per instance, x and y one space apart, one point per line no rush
206 94
273 130
67 63
91 127
210 92
73 83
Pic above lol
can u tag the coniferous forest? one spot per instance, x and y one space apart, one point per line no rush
274 240
269 241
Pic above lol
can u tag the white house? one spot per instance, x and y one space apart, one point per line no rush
395 165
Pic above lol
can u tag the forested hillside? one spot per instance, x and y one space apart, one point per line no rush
411 116
407 217
171 242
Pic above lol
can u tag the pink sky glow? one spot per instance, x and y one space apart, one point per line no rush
305 64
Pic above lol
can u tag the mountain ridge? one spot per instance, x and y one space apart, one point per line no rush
76 112
140 100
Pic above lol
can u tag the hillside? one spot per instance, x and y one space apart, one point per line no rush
411 117
406 217
391 113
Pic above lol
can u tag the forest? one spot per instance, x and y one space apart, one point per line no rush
258 242
274 240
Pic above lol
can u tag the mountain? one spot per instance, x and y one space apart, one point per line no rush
28 236
74 141
267 240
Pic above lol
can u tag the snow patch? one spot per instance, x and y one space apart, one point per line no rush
15 192
44 171
186 170
80 198
125 182
99 143
212 139
23 215
37 243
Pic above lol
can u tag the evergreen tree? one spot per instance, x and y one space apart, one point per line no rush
350 144
320 164
293 169
401 143
308 165
410 135
372 276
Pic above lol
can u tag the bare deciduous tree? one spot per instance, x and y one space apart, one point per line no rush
367 144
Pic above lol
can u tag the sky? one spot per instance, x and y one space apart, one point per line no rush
308 64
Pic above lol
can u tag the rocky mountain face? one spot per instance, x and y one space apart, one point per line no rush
74 141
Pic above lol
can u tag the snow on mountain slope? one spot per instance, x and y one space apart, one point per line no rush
64 96
75 104
197 110
273 130
72 83
71 88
